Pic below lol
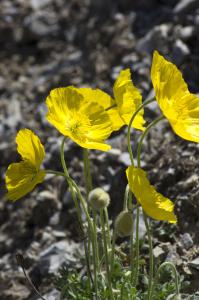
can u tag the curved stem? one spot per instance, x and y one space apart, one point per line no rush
144 135
92 231
63 159
73 185
148 228
20 261
171 265
89 187
136 269
129 128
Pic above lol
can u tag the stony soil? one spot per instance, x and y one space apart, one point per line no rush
51 43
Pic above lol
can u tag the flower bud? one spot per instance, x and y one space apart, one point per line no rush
98 199
124 223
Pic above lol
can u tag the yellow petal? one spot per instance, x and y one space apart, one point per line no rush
117 121
128 99
21 178
103 99
30 147
84 121
179 106
154 204
96 95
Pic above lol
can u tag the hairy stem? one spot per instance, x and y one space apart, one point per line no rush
173 268
129 128
148 228
74 189
102 219
136 269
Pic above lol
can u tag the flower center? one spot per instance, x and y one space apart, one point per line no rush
78 125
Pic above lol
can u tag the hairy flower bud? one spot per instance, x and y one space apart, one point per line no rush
124 223
98 198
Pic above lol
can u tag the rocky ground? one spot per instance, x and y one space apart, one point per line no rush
51 43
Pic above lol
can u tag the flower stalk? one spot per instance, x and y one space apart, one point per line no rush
148 228
136 269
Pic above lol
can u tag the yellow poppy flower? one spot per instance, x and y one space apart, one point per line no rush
85 122
128 99
179 106
154 204
103 99
22 177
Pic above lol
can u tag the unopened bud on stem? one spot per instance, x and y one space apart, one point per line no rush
124 223
98 199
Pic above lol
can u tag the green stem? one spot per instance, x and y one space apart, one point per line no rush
126 197
89 187
102 219
137 248
129 128
113 250
144 135
73 185
87 173
148 228
136 270
92 231
131 241
96 240
108 227
151 260
173 268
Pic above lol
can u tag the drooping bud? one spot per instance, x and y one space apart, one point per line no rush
98 198
124 223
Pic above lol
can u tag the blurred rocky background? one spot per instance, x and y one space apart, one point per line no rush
51 43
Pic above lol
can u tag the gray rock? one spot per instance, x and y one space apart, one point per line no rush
46 206
155 39
60 247
16 292
186 6
194 263
180 52
173 257
40 25
125 159
158 252
52 295
191 182
174 297
38 4
52 258
186 33
186 241
14 114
